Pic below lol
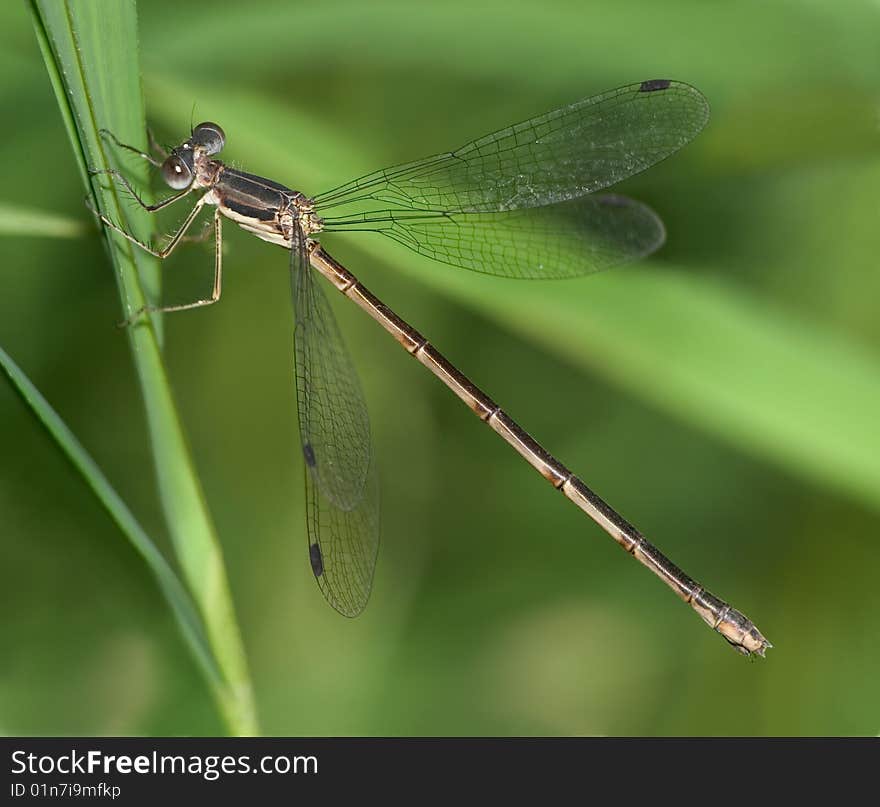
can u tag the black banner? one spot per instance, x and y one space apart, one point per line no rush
140 771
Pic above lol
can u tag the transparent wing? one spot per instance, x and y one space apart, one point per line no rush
342 494
557 241
561 155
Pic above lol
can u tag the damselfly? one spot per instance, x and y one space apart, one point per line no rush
522 202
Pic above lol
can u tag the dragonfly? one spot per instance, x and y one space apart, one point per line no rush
527 201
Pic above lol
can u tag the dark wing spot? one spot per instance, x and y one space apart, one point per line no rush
655 84
309 454
316 559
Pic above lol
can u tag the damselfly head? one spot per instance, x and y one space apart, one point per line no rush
179 169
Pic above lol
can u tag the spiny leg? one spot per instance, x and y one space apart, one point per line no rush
134 150
178 238
169 247
154 145
128 186
218 273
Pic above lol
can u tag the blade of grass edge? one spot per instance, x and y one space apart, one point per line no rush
174 591
90 51
24 222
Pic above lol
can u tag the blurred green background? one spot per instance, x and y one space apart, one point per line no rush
723 395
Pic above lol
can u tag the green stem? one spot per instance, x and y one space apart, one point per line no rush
91 54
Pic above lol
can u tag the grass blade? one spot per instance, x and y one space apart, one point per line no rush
16 220
90 51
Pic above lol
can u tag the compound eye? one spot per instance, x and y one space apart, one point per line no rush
176 173
209 136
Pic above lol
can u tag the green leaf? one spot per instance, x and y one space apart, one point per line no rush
90 50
